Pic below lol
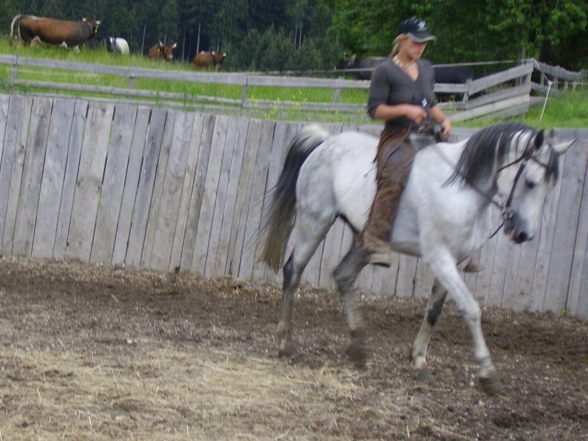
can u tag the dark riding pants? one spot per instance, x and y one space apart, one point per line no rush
394 162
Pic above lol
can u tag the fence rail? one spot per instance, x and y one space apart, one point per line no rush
178 190
500 97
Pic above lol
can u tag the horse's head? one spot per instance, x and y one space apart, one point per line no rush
529 170
516 162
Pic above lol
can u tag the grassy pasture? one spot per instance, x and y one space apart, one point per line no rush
567 110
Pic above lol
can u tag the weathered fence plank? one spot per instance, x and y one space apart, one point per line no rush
155 210
185 180
262 162
47 212
12 110
117 158
226 209
246 176
232 213
89 185
224 176
31 177
546 244
171 192
21 126
200 142
74 151
209 196
568 214
131 183
142 203
577 287
203 141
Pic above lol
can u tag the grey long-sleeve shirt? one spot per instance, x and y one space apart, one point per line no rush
391 85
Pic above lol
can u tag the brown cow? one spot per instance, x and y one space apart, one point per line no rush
53 32
209 59
162 52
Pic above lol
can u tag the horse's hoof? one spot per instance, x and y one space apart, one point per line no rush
491 385
286 350
356 351
357 356
424 375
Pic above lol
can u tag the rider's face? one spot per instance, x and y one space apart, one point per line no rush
413 50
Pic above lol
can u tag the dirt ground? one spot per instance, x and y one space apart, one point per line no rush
111 353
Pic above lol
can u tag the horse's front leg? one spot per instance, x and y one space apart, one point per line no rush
419 347
446 271
345 275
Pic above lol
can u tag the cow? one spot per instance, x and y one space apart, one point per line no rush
206 60
53 32
452 75
162 52
361 68
117 45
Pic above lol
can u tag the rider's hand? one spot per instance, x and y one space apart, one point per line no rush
415 113
446 128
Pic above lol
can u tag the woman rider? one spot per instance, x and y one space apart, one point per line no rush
401 93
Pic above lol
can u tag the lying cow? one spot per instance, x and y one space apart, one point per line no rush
117 45
53 32
162 52
205 60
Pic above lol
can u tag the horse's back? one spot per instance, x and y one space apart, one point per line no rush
343 167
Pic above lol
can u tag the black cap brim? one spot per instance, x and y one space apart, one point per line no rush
421 37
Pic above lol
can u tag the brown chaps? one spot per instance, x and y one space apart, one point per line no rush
394 161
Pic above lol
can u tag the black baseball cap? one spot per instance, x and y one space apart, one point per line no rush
416 29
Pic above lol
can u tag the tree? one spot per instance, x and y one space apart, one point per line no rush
467 30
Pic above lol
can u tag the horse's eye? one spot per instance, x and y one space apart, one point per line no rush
530 184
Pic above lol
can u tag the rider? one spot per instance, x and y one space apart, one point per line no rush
401 93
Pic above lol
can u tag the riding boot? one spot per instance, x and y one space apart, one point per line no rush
378 230
394 160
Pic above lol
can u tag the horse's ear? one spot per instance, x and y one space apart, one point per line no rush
539 139
563 147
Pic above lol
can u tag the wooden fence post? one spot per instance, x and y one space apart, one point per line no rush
14 73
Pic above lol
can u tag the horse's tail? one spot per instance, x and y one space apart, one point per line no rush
17 17
278 220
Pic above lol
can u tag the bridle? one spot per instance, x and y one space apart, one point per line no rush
506 211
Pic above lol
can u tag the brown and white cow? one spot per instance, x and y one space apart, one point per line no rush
209 59
162 52
53 32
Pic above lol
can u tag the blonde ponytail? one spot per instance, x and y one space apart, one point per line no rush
397 41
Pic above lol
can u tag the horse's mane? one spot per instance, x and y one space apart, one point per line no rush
487 147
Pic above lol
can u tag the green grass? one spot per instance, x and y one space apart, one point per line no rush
569 109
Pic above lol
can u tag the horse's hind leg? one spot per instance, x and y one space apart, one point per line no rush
419 348
309 235
345 275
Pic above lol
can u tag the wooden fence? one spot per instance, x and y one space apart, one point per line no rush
499 99
176 190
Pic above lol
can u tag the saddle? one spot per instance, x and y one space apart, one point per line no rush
426 133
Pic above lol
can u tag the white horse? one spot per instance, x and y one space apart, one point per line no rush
444 216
